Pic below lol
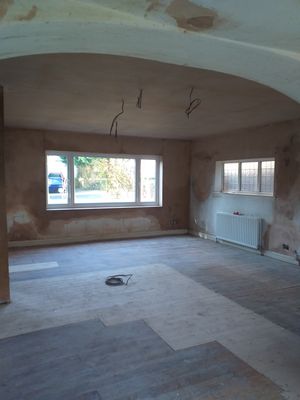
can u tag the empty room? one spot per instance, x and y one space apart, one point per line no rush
149 200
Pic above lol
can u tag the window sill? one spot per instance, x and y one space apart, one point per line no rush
102 208
245 194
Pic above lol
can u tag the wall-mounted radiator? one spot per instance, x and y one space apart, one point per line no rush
239 229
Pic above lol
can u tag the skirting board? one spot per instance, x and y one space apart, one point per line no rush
281 257
95 238
203 235
2 301
208 236
267 253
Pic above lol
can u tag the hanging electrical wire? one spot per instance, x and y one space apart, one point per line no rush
140 99
194 103
114 124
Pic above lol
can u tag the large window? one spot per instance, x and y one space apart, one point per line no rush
77 180
249 176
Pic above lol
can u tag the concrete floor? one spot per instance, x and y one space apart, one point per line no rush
198 320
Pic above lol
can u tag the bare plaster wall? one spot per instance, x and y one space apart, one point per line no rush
4 278
281 213
28 218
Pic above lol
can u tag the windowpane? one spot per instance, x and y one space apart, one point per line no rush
249 178
267 176
231 177
104 180
57 178
148 180
78 180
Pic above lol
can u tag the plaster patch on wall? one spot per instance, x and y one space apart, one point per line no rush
29 16
26 191
55 228
141 224
284 232
281 213
285 229
102 226
20 217
190 16
20 225
4 6
153 5
297 214
203 175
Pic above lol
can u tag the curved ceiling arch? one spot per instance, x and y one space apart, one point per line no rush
83 92
275 68
257 41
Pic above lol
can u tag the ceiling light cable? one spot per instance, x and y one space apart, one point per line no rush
114 123
194 103
140 99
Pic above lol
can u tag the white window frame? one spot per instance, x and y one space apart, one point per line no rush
258 192
135 204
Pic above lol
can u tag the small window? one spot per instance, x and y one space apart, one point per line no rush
77 180
249 176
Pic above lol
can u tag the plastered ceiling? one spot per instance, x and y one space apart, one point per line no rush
257 40
84 93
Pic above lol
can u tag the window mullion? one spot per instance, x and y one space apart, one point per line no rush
138 181
259 177
160 188
46 180
157 181
223 177
71 179
240 176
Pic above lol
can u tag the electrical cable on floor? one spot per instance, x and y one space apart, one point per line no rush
117 280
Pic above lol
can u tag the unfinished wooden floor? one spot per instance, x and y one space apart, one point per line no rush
198 320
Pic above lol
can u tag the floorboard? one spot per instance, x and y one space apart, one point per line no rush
87 361
232 316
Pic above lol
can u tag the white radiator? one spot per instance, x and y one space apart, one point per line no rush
240 229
